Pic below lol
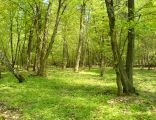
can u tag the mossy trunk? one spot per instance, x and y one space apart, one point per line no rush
6 62
123 83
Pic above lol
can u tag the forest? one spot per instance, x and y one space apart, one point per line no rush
77 60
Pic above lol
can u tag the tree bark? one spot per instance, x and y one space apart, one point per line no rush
57 21
44 42
29 48
130 47
65 53
18 43
11 38
81 37
122 79
6 62
0 71
38 34
102 64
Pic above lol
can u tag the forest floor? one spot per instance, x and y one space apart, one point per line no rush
65 95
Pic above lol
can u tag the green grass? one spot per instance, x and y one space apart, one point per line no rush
65 95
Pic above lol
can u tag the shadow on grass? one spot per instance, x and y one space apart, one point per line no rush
60 97
55 98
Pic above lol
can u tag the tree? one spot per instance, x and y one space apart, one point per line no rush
81 36
130 46
123 83
44 41
6 62
60 10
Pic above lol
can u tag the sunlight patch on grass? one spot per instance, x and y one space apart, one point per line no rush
88 73
65 95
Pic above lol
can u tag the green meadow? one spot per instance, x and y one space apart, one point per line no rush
66 95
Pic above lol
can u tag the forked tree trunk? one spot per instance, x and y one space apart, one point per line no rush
122 79
6 62
49 46
44 43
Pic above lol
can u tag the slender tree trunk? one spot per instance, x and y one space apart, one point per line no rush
18 57
29 47
57 21
81 37
18 43
83 55
89 62
65 53
11 39
102 64
23 52
0 71
38 35
130 47
34 64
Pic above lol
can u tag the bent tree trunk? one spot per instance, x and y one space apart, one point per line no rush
6 62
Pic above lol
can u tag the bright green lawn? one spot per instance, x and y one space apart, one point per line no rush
65 95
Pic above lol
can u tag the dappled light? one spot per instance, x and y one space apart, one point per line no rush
73 96
77 60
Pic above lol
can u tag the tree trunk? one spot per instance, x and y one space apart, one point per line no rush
57 21
34 64
81 37
38 35
118 63
6 62
65 53
130 47
29 48
18 43
102 64
0 71
84 52
11 38
44 42
23 47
